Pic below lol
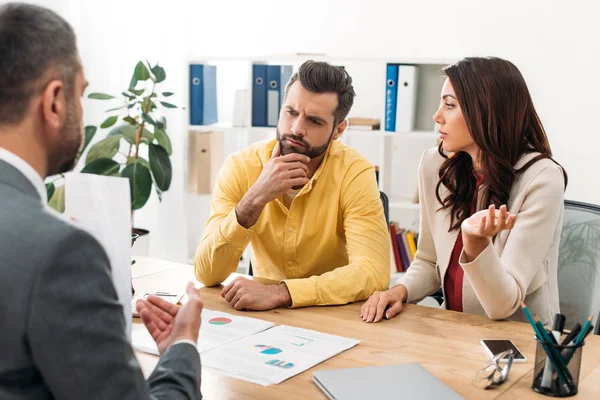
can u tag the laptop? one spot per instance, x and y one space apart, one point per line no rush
411 381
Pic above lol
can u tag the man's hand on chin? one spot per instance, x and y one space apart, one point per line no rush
245 294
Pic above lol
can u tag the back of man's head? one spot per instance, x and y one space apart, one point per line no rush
36 46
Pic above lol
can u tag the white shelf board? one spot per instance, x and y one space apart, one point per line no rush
404 204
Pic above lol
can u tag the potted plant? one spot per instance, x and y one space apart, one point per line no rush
136 145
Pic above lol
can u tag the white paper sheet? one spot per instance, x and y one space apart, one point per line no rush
101 206
217 328
275 355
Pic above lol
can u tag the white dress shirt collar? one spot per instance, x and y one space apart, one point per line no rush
27 170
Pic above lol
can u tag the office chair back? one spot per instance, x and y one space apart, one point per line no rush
386 206
579 262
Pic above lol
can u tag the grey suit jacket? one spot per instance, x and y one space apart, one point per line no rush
61 326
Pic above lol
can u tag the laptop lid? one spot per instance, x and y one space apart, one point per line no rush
386 381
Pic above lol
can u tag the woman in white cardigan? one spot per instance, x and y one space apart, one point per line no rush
491 203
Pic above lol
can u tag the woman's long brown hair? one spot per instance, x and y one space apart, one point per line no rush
502 120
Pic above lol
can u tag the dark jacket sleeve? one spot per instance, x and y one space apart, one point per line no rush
76 333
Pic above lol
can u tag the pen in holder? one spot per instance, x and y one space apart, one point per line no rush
556 369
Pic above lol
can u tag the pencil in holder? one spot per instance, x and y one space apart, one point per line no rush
556 369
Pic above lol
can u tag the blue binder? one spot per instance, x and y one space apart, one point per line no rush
391 95
273 92
259 95
286 74
203 94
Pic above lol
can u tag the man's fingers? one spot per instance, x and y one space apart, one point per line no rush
155 318
162 305
226 289
236 300
232 293
297 182
149 323
295 157
295 165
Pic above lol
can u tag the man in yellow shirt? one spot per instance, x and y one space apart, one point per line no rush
307 204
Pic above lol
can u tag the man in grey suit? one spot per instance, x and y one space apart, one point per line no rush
63 330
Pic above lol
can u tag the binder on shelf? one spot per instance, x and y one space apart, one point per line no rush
407 96
286 74
391 95
203 94
273 94
259 95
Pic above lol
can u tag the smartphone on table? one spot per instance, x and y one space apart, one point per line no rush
497 346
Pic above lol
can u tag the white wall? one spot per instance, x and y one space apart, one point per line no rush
555 45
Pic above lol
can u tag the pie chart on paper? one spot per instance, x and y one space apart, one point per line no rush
219 321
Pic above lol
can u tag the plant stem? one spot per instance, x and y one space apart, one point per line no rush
138 136
129 154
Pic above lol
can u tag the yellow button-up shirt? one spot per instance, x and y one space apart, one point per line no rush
330 247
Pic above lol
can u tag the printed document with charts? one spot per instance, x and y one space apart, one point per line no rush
274 355
217 328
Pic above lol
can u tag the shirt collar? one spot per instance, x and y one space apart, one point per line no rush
27 170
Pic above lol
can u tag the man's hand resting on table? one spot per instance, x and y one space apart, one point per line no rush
245 294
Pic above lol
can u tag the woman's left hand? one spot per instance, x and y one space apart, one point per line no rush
479 228
487 223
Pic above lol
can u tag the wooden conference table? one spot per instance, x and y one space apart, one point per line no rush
443 342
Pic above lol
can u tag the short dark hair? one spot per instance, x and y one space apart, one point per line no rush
33 41
321 77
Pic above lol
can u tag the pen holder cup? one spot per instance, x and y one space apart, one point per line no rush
556 369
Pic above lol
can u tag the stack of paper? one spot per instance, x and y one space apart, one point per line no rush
275 355
217 328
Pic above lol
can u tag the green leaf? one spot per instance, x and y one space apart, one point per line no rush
161 121
141 72
161 167
148 118
90 131
50 189
102 166
143 162
100 96
133 83
129 132
167 94
105 148
168 105
140 184
130 120
159 73
128 95
58 200
163 140
110 121
116 108
159 193
137 92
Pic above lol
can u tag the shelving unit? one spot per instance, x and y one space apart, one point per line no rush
397 154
